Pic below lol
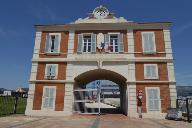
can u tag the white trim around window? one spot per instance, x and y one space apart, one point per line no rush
87 45
151 74
56 71
158 99
59 43
47 97
154 43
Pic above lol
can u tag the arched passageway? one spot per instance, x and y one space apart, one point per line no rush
90 99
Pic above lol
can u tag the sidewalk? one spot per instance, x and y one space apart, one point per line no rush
88 121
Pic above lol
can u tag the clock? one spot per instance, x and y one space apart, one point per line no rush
100 12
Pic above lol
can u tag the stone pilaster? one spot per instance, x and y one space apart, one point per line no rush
30 98
130 39
71 42
167 40
68 98
172 86
37 45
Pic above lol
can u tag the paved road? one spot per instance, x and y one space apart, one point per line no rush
77 121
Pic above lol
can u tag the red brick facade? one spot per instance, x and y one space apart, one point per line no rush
162 72
59 101
63 45
159 41
139 67
164 95
61 71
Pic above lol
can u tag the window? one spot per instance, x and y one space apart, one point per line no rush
86 43
52 43
148 42
150 71
48 99
51 71
114 47
153 101
114 42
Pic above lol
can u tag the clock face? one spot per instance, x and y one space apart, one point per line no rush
100 12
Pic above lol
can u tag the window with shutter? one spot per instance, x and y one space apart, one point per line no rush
80 43
113 43
148 42
107 49
153 99
48 98
93 43
51 71
150 71
52 43
47 44
121 44
86 43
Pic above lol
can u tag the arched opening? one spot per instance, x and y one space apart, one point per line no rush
100 91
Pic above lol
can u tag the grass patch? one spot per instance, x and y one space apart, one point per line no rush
7 105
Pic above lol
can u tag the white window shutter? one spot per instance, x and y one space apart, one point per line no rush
156 99
56 43
148 43
93 43
153 71
51 97
80 43
46 98
51 102
47 43
106 38
46 94
145 41
120 41
45 102
48 70
155 93
53 70
151 43
153 100
148 72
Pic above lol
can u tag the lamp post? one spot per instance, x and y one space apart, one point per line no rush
99 91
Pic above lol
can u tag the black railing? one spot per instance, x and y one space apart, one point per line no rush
185 105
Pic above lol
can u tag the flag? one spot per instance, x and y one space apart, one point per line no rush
102 45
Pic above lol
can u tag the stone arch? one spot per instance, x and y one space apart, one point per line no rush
100 74
103 74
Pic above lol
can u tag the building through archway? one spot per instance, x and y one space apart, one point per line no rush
108 95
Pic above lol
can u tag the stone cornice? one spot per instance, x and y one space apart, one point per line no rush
102 26
128 82
112 59
51 81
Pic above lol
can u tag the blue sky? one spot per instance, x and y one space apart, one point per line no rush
18 17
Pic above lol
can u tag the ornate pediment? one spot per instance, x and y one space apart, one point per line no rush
101 15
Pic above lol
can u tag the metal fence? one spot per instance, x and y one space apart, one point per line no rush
12 105
185 105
